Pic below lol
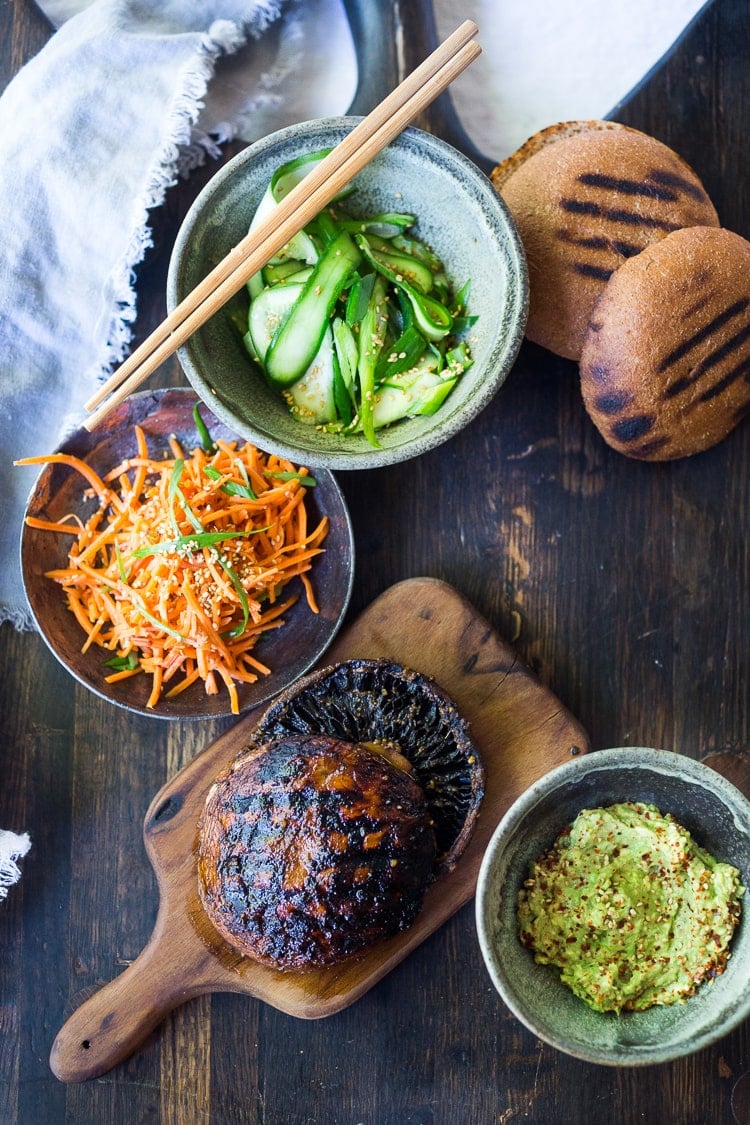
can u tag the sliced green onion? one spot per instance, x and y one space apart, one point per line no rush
303 478
463 324
193 542
346 350
387 225
461 299
239 589
123 663
175 492
120 563
231 487
359 299
207 442
371 338
459 359
155 621
342 398
401 355
408 244
433 318
324 227
240 466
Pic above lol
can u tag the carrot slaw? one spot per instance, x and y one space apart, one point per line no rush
184 564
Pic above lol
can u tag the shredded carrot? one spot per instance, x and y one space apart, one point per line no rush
181 568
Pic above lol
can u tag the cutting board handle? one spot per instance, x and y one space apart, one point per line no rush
109 1026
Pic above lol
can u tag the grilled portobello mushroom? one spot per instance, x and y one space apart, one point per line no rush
312 848
380 701
360 786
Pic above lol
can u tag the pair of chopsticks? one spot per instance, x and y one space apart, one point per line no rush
302 204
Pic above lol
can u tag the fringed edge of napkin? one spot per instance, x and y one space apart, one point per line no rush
182 150
19 617
12 848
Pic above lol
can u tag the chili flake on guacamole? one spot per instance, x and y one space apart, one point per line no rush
630 909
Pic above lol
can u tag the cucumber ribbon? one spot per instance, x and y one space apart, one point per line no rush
354 321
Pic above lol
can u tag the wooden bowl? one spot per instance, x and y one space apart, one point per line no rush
289 651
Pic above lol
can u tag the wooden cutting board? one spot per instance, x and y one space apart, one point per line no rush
522 731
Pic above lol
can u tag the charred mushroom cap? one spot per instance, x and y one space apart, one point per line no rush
379 701
311 849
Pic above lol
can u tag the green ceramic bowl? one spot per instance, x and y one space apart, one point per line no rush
459 214
717 815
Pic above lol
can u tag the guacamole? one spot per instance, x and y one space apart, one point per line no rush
630 909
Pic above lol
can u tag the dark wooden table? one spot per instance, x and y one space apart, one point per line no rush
626 587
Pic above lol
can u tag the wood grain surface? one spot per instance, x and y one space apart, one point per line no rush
624 586
522 731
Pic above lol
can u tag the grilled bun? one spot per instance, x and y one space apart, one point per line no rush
665 366
587 196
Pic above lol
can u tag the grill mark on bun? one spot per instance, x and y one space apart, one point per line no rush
616 214
650 447
687 187
599 242
626 249
644 187
700 304
717 356
588 269
613 402
742 369
630 429
656 184
698 337
607 246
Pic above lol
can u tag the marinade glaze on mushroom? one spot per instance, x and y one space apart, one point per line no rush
361 785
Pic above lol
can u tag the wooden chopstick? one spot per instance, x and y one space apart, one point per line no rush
306 200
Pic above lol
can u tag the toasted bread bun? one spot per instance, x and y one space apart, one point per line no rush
587 196
665 367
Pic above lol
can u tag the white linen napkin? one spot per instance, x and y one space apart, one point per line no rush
12 848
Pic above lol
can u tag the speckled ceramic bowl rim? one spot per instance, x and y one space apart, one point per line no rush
615 759
504 347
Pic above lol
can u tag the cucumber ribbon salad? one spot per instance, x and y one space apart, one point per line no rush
354 320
